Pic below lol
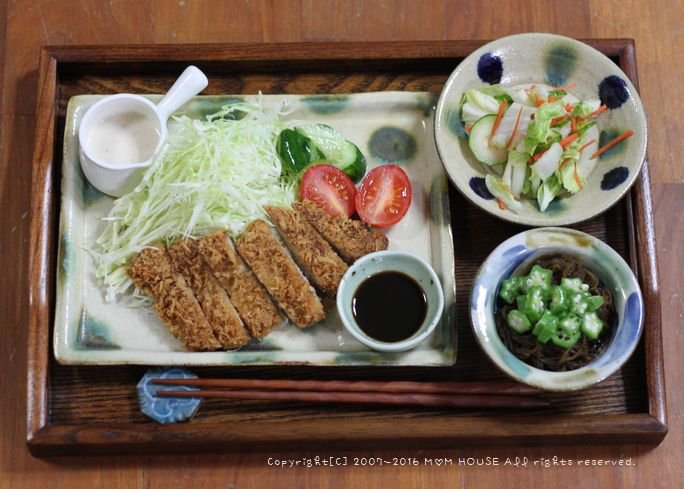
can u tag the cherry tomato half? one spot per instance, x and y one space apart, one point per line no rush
329 188
384 196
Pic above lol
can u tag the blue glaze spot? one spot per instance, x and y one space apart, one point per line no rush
326 104
426 103
628 333
490 69
614 177
373 358
514 251
392 145
166 409
256 358
477 184
560 63
204 108
605 137
263 345
66 257
633 312
93 334
555 206
439 202
613 91
89 194
454 123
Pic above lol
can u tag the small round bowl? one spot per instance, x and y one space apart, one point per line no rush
382 261
518 253
556 61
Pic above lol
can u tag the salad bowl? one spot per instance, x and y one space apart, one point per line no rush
552 61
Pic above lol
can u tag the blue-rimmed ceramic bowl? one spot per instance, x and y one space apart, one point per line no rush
518 253
554 60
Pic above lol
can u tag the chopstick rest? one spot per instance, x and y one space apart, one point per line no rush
166 410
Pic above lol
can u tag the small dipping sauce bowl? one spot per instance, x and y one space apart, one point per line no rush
120 135
390 300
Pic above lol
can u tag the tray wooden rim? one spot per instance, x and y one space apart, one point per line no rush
44 438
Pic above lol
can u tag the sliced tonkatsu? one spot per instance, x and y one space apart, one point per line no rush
313 254
350 238
279 274
152 272
258 312
212 298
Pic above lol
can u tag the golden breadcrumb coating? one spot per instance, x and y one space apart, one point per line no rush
351 238
312 253
213 299
152 272
249 297
279 274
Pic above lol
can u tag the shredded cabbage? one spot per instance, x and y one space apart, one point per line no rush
213 174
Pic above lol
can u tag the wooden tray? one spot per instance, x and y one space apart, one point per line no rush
95 409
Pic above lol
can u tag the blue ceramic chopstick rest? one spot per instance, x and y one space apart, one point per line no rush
166 409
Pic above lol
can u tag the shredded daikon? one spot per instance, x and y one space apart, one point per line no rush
212 174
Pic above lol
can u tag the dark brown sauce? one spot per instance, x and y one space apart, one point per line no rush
389 306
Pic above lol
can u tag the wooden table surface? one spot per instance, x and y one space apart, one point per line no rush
26 25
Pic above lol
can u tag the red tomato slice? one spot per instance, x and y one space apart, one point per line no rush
384 196
330 189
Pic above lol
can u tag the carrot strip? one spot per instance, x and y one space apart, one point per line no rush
569 139
499 116
564 162
562 142
596 112
536 157
467 128
557 120
515 128
586 145
577 178
573 124
502 204
612 143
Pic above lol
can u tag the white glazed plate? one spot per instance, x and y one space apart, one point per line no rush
557 61
387 127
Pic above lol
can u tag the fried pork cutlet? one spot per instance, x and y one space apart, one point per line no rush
212 298
152 272
249 297
279 274
350 238
312 253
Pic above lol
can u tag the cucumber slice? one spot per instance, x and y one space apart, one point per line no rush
339 152
478 140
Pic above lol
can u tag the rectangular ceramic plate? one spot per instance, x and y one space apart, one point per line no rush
393 126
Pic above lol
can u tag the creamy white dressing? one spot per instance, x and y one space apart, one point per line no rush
123 138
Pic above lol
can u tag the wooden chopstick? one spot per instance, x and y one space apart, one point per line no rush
402 399
404 393
392 386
